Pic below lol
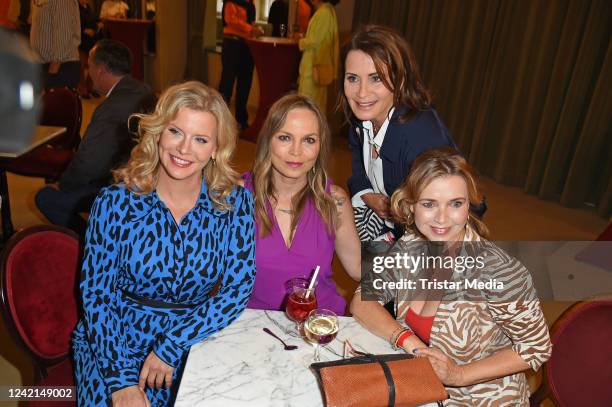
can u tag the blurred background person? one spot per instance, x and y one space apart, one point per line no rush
320 49
278 16
55 36
301 216
305 11
238 24
392 121
9 14
114 9
107 141
90 34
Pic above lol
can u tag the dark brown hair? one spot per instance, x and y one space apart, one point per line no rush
395 64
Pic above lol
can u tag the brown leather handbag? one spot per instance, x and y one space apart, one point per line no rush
379 380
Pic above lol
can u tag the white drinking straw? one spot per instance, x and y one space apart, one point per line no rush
312 281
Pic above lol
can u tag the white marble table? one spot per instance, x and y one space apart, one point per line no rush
244 366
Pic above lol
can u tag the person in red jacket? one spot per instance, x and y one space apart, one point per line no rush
238 24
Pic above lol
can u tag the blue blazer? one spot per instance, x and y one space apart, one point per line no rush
402 144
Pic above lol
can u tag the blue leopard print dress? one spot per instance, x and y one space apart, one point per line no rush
135 255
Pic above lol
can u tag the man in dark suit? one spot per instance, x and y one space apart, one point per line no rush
107 142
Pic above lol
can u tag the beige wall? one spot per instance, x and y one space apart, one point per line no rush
169 64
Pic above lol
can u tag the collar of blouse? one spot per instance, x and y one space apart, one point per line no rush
141 205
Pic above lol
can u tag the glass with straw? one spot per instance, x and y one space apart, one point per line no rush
301 299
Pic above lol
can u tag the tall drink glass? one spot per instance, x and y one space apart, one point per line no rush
299 301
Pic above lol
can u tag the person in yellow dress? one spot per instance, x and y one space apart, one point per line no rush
320 50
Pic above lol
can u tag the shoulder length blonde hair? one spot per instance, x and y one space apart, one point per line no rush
263 184
141 172
432 164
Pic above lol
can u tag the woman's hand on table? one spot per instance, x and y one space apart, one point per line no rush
155 372
449 373
131 396
379 203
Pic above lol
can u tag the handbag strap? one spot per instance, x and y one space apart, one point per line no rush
390 382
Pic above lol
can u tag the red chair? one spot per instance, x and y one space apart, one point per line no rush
579 371
38 270
61 107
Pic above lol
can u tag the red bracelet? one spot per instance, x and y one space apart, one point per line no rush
400 339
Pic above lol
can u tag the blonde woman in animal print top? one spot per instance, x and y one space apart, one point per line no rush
480 341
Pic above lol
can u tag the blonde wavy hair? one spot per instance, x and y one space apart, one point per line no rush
141 172
432 164
263 184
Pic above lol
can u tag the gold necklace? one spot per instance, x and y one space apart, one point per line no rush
287 211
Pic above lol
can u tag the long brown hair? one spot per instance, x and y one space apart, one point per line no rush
432 164
141 173
317 177
395 64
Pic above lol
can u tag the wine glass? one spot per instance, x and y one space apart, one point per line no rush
300 301
320 328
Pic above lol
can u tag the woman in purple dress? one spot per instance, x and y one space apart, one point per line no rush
301 216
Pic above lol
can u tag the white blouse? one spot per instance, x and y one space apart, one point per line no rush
373 166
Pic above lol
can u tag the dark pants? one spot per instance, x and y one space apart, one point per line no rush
237 65
62 208
69 75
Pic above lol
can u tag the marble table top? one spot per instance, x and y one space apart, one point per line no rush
244 366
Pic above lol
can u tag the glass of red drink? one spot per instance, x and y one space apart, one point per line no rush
300 301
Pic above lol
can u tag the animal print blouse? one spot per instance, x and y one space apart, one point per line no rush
472 324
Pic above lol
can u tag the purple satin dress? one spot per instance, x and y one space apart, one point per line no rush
276 264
